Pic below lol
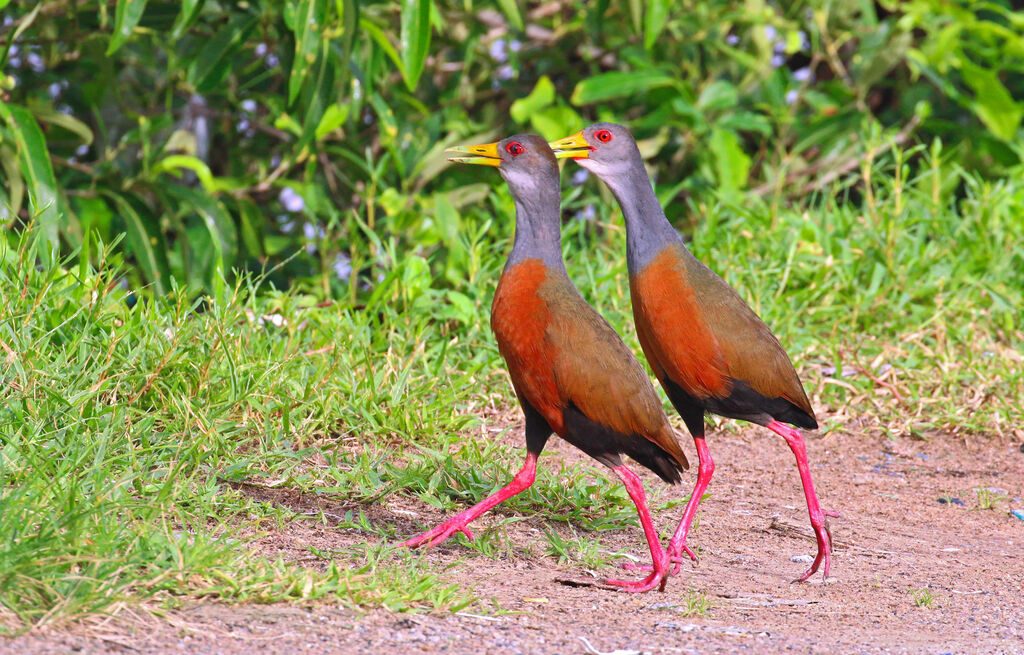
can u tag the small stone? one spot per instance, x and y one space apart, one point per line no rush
803 559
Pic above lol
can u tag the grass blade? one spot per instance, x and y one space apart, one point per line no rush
127 17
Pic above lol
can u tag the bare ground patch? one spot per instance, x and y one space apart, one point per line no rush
910 574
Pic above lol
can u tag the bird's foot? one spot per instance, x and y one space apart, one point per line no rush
655 579
823 560
659 575
441 533
675 560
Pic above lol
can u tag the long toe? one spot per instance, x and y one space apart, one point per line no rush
675 564
438 534
823 559
640 586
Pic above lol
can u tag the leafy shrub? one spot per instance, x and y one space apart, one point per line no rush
305 137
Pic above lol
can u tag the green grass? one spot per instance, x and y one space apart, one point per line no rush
922 597
122 428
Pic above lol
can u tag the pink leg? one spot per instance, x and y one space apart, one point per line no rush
460 521
659 573
818 520
677 546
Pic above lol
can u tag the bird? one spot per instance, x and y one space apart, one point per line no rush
572 374
706 346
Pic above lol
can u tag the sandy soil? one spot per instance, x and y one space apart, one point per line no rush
894 538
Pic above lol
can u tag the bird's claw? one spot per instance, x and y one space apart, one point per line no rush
823 559
675 561
441 533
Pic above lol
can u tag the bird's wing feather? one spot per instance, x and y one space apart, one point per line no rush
598 374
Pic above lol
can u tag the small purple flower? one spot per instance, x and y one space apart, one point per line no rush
36 63
802 74
770 33
498 51
805 43
791 96
342 266
505 72
515 46
272 60
778 60
731 39
260 50
14 62
290 200
580 176
54 90
249 105
586 214
82 150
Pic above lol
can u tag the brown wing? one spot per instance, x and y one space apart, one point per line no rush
750 350
595 372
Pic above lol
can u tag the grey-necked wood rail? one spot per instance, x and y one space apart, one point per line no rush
708 348
571 372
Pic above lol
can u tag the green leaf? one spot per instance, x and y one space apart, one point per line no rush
382 42
125 19
211 65
992 103
37 170
556 122
654 21
15 183
188 14
543 94
511 10
251 222
618 84
415 39
143 238
175 162
216 219
718 95
66 121
310 20
334 117
732 165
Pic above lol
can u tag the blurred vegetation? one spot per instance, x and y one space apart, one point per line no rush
305 137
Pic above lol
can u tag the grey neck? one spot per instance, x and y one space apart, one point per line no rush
647 229
538 226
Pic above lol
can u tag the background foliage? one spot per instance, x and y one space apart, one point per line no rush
305 136
852 168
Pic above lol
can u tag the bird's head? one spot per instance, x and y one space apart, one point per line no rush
522 159
603 148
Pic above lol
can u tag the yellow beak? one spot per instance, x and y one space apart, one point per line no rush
574 146
485 155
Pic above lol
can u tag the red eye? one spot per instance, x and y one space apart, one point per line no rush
515 149
603 135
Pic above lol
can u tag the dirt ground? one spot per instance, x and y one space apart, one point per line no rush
895 545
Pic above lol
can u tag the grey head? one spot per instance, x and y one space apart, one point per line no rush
531 172
609 151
